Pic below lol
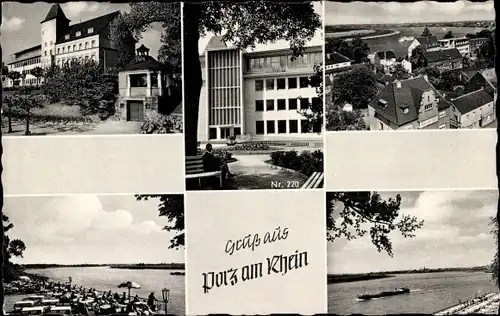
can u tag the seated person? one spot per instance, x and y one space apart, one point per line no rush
213 163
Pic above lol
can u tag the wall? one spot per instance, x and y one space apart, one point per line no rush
203 108
48 35
77 52
473 118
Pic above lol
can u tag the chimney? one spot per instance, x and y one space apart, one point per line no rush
398 84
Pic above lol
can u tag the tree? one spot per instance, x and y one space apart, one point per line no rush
357 87
11 248
400 72
417 58
244 24
339 120
172 207
14 76
485 33
5 71
494 263
362 209
356 49
433 75
470 36
426 32
139 19
314 111
27 101
9 105
37 72
486 52
448 34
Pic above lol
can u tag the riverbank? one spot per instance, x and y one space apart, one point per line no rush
487 305
332 278
362 34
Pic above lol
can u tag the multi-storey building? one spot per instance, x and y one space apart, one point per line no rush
387 59
411 104
475 43
445 59
256 95
462 44
62 43
428 43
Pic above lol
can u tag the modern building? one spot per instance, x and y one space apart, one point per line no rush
411 104
444 59
144 85
460 43
428 43
62 43
256 95
336 61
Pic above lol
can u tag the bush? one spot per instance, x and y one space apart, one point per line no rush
306 163
222 154
156 123
250 147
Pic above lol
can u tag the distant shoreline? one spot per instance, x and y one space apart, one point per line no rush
138 266
355 277
364 36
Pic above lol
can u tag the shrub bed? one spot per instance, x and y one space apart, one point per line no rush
222 154
247 147
306 162
156 123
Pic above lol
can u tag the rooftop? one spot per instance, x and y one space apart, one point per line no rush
471 101
336 58
406 98
453 39
442 55
97 24
54 13
427 41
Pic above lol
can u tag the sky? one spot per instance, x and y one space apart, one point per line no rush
456 233
20 27
90 229
316 40
357 12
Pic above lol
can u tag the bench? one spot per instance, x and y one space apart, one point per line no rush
314 181
194 169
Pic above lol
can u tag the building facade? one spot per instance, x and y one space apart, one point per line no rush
475 43
428 43
256 95
387 59
476 109
62 43
460 43
444 59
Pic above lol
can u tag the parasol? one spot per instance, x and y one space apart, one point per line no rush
129 285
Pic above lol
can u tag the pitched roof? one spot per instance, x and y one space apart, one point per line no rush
27 50
386 54
471 101
478 81
408 96
54 13
442 55
427 41
215 42
98 24
347 68
336 58
145 62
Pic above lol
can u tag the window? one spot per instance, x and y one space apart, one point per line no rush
45 53
269 84
270 105
58 50
281 104
304 126
78 33
237 130
154 80
46 44
93 43
92 56
304 103
86 45
259 127
270 127
66 37
259 85
259 105
292 104
212 132
282 127
317 102
51 43
292 83
442 126
74 47
90 30
442 114
294 126
69 48
63 49
281 83
428 107
80 46
138 80
304 82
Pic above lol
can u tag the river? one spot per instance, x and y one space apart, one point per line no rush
105 279
431 292
401 48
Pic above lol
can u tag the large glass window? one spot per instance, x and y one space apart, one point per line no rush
281 104
270 127
139 80
269 105
292 104
259 105
292 83
294 126
281 83
259 127
259 85
304 82
304 103
282 127
269 84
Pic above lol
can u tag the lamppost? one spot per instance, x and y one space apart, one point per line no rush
166 296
